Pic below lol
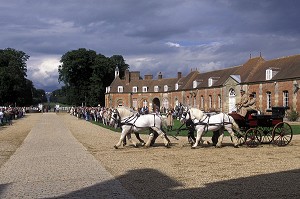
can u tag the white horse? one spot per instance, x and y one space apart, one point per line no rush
133 122
204 123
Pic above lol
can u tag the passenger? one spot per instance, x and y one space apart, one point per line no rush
249 106
243 101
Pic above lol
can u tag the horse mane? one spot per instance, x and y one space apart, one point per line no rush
196 113
124 111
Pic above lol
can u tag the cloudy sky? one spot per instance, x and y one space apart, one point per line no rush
153 36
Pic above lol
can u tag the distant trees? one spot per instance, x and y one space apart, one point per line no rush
15 88
85 75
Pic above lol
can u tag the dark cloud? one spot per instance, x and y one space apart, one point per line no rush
153 36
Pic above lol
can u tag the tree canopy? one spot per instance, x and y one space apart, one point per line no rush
86 74
15 88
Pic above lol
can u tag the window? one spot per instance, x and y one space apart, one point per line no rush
156 88
134 103
120 89
285 98
166 88
134 89
145 103
210 101
269 100
108 89
145 89
210 82
195 84
219 102
166 103
268 74
176 86
202 102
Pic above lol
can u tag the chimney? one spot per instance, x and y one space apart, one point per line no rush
179 75
148 77
127 76
159 76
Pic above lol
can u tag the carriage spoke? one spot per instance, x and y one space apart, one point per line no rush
282 134
252 137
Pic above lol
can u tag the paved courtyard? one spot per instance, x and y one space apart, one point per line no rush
51 163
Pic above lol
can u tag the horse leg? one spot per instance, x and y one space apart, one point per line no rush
148 143
123 134
220 139
198 138
131 140
155 135
215 137
163 135
137 135
124 141
233 137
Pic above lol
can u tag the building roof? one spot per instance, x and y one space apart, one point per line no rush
254 70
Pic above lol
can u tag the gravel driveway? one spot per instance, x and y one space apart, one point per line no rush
180 172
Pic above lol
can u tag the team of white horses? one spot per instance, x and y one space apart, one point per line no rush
131 122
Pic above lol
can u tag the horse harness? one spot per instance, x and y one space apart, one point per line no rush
131 119
206 124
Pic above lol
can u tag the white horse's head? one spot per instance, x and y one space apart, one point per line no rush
119 114
191 113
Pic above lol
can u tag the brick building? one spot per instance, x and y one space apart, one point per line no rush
274 83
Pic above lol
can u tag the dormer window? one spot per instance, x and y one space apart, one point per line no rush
108 89
120 89
134 89
176 86
268 74
145 89
271 72
156 88
212 80
166 88
196 83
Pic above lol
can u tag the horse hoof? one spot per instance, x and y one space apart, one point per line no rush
218 146
193 147
236 146
115 147
143 143
136 146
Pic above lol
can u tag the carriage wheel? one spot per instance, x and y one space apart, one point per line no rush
252 137
282 134
266 133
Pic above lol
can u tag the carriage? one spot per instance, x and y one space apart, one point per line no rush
257 129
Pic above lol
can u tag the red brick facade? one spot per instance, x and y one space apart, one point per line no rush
215 90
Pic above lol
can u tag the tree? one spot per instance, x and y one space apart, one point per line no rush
13 82
86 74
75 72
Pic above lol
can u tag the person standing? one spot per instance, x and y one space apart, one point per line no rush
170 121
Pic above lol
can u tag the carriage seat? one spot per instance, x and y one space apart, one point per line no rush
251 114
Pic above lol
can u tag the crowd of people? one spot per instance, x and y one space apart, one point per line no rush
8 114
